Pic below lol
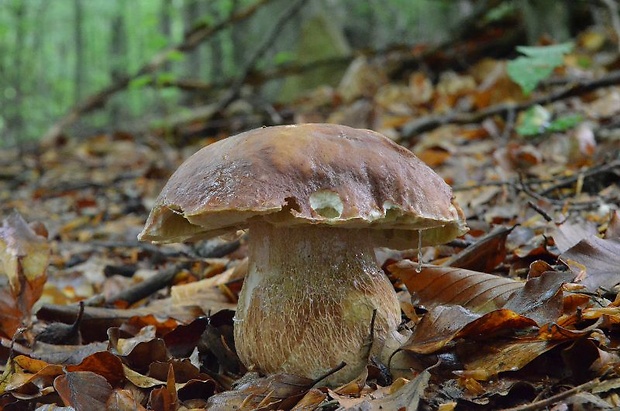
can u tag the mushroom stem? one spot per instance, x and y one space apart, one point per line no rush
308 300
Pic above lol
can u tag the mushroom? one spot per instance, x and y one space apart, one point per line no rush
317 199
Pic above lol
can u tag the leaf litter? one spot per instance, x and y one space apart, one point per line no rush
524 308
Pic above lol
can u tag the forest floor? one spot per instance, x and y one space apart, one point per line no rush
540 190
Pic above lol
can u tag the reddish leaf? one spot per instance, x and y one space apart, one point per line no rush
495 322
104 363
443 324
83 390
435 286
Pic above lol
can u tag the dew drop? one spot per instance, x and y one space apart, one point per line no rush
419 267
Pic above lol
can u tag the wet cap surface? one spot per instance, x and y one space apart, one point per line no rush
306 174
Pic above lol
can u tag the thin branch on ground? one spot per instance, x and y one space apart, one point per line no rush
543 404
431 122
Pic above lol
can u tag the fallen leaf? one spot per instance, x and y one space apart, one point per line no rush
483 255
83 390
433 286
24 256
600 257
541 298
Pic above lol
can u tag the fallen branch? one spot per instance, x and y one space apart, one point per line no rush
459 117
190 41
147 287
544 404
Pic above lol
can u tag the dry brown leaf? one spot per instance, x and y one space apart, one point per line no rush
24 255
123 400
433 286
485 254
541 298
253 393
498 356
601 259
437 328
83 390
105 364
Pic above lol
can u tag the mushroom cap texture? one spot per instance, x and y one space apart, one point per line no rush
307 174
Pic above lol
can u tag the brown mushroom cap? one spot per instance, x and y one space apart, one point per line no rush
306 174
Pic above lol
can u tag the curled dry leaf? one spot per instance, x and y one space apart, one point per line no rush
24 256
434 286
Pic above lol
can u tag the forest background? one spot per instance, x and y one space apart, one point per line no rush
56 54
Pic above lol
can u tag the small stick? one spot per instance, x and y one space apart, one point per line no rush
542 404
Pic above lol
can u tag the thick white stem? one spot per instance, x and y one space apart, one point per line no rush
308 300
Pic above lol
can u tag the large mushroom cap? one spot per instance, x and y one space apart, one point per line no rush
306 174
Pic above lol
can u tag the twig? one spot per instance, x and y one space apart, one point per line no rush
542 404
592 171
148 286
461 117
191 40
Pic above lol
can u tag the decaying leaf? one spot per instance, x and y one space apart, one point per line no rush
83 390
265 393
433 286
601 259
24 255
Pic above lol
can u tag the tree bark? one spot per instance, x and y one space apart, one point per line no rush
78 36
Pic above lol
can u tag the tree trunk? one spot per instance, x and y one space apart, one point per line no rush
78 36
118 54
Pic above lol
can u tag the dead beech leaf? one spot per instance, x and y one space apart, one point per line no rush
165 398
273 392
494 322
24 256
83 390
485 254
600 257
541 298
310 401
438 327
123 400
406 397
105 364
23 253
443 324
433 286
501 355
568 234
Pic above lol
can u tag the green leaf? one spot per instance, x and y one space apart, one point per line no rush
565 122
140 82
536 65
163 78
534 121
176 55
